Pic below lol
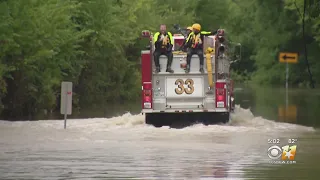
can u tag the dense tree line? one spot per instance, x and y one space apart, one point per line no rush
96 44
266 28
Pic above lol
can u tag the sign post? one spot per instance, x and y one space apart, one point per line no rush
292 58
66 100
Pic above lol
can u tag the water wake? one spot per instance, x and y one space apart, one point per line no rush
119 141
241 120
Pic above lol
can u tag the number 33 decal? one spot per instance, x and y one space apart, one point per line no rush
181 89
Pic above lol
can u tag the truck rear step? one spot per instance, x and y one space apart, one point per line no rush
184 119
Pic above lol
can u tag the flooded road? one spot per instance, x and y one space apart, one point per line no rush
124 147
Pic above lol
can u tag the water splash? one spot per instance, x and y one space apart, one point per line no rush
114 140
241 120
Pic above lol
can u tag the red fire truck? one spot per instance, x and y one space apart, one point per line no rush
193 97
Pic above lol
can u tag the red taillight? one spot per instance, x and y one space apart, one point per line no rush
147 95
221 95
147 99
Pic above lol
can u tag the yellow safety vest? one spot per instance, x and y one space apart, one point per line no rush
165 41
168 39
196 40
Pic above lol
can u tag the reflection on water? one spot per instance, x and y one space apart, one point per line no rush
303 104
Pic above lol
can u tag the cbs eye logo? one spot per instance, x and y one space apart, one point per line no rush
286 152
274 152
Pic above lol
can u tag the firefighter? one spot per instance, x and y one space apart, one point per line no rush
189 30
183 46
195 44
163 42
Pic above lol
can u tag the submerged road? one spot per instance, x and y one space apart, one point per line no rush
125 148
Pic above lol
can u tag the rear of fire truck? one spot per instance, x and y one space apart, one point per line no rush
194 97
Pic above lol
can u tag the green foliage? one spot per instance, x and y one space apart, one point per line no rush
96 45
265 28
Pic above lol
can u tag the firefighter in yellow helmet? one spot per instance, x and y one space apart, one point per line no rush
163 42
189 30
195 44
183 46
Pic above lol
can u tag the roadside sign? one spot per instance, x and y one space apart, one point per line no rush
288 57
287 114
66 98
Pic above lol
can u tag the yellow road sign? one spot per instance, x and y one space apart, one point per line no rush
288 57
287 115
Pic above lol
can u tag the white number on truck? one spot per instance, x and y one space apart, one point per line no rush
181 89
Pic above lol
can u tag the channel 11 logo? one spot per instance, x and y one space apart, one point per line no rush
287 154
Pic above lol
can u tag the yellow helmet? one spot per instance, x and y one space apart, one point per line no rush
189 28
196 26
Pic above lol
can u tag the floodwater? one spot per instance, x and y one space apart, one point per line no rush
124 147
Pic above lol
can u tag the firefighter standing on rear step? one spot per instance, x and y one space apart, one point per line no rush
195 45
163 42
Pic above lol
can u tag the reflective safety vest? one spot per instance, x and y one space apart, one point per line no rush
196 40
167 39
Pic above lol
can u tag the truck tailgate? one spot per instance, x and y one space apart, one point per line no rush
180 90
184 91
